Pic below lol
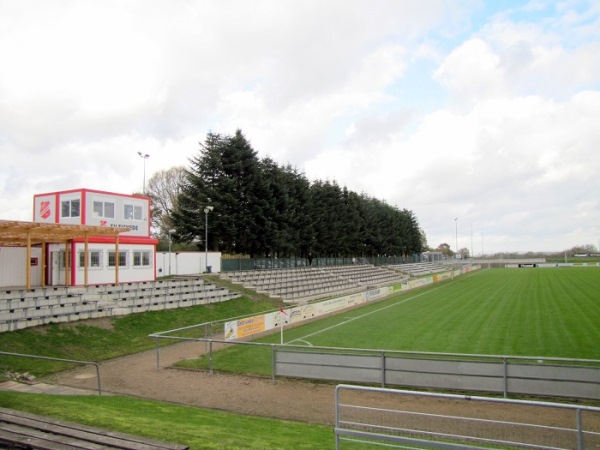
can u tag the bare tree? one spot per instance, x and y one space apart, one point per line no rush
164 188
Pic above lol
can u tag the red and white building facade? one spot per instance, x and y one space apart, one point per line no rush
135 252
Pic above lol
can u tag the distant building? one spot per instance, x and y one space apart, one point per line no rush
432 256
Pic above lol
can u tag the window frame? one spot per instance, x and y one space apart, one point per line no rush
141 258
122 258
136 212
101 208
92 254
69 210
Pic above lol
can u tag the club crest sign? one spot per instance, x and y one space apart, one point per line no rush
45 210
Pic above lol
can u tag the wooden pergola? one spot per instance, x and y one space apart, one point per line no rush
27 234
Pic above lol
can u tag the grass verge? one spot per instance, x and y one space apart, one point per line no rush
101 339
197 428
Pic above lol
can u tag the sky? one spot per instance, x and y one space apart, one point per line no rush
482 118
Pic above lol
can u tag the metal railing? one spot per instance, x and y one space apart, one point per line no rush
48 358
506 375
453 422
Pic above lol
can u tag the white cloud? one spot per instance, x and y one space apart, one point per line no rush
355 91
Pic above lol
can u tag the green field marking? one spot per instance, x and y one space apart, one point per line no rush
352 319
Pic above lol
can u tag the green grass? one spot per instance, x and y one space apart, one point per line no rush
97 341
197 428
535 312
522 312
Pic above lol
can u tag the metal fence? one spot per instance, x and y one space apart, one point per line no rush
48 358
507 375
374 417
554 377
233 264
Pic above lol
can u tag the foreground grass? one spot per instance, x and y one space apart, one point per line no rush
98 340
522 312
197 428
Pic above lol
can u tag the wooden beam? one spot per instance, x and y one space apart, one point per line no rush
66 261
43 262
117 260
85 259
28 262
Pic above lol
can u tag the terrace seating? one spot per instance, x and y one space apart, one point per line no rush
420 269
23 308
305 282
21 430
369 275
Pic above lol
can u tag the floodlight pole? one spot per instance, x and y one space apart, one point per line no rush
472 242
456 233
208 209
144 156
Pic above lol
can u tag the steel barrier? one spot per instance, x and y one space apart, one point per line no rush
368 417
61 360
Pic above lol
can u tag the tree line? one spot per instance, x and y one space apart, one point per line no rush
262 209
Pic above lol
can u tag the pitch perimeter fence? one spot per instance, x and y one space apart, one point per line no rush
506 375
368 417
230 264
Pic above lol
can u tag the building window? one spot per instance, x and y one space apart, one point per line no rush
93 261
122 259
70 208
104 209
141 258
132 212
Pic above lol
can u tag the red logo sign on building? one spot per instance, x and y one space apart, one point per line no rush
45 209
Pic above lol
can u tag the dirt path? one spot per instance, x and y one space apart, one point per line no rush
137 375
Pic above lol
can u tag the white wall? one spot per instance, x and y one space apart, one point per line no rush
47 209
13 271
105 274
187 263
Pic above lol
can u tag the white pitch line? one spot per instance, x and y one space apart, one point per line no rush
302 339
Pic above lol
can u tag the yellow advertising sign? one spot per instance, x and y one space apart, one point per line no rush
250 326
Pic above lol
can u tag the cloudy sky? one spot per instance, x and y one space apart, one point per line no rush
483 112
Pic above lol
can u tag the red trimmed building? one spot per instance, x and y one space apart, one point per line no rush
134 253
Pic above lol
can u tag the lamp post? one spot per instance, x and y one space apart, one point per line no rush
144 156
456 233
206 211
170 233
472 254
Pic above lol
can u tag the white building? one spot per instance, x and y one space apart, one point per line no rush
98 259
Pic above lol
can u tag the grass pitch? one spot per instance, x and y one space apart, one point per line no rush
527 312
546 312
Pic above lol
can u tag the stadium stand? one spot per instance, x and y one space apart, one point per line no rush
305 283
21 430
22 308
419 269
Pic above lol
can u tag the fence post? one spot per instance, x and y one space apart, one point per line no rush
337 416
505 376
157 353
273 362
98 377
210 356
580 443
206 334
383 369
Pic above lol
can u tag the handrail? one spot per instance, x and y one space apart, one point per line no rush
62 360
